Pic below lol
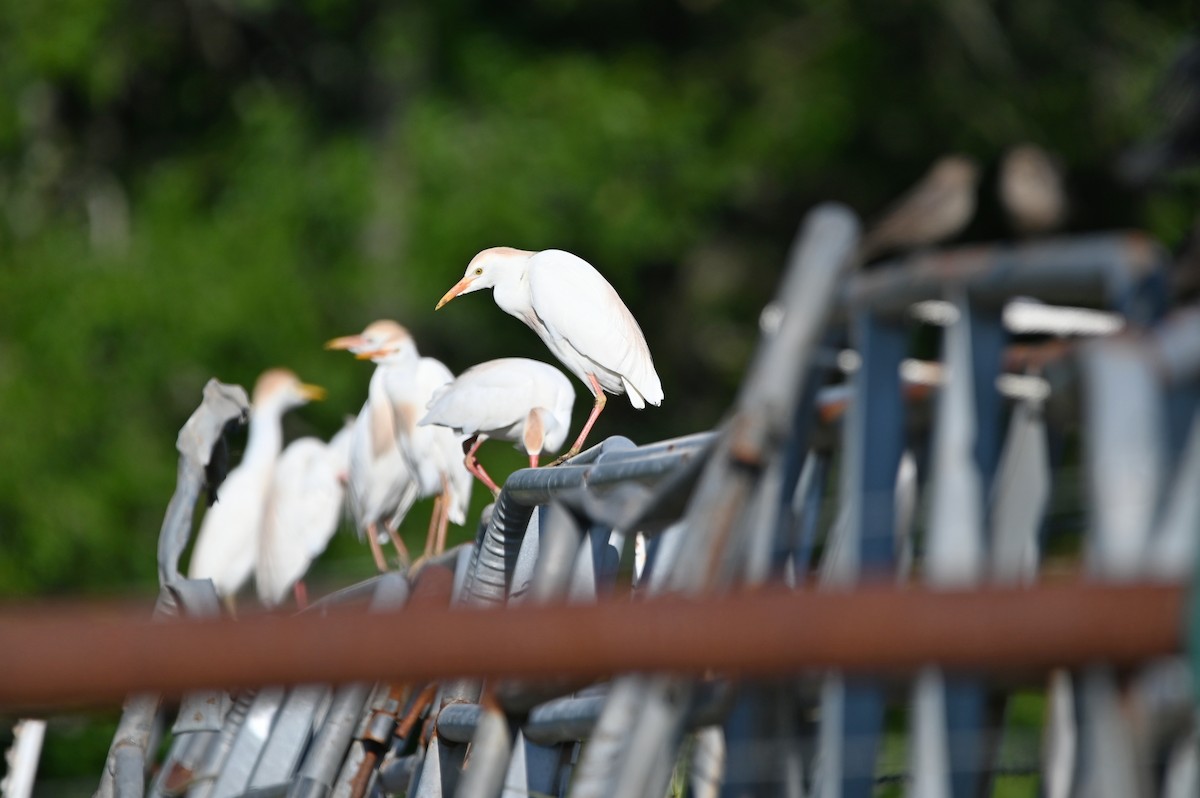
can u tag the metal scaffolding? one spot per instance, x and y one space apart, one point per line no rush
833 507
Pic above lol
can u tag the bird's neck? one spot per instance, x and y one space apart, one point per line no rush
512 295
265 439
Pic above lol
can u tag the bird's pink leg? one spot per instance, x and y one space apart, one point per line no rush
533 461
434 521
398 544
376 552
470 446
601 400
444 521
300 593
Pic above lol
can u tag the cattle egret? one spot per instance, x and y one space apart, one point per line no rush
432 454
512 399
380 486
936 208
227 544
577 314
307 495
1031 190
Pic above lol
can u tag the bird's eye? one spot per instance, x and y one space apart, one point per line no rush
479 270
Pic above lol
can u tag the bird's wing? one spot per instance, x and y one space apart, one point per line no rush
359 469
576 304
482 400
301 517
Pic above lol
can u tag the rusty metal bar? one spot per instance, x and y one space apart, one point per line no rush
770 631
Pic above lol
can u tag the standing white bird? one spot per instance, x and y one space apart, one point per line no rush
433 454
512 399
307 495
577 314
227 544
381 487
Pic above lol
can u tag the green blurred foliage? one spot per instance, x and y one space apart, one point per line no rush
211 188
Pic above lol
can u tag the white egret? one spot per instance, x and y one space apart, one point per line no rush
380 486
512 399
227 544
577 314
307 495
433 454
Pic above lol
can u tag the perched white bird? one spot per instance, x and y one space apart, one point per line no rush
512 399
433 454
227 544
305 505
577 314
381 488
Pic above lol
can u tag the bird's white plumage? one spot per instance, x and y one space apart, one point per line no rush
495 399
596 333
305 505
227 544
431 453
380 485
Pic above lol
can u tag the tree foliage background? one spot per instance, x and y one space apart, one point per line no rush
196 188
212 187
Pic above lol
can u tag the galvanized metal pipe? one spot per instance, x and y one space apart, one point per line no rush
1089 270
491 748
532 486
495 552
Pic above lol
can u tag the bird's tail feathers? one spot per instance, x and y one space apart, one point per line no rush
652 393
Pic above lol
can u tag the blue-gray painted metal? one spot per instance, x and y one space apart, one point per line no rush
234 776
1103 270
491 750
290 736
863 540
214 758
533 770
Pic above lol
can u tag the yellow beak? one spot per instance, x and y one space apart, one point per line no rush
313 393
459 287
345 342
369 355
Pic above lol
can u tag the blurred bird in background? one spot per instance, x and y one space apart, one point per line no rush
937 208
578 315
433 455
228 542
305 506
1031 190
380 486
512 399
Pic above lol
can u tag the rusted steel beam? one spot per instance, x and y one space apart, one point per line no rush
73 655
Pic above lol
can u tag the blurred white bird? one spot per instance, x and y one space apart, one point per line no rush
305 505
512 399
380 485
433 454
577 314
227 544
